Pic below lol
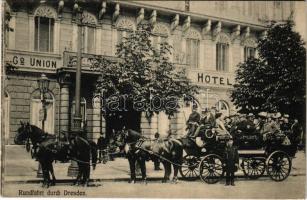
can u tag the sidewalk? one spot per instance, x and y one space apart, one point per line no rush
19 167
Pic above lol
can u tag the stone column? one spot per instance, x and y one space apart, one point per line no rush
64 107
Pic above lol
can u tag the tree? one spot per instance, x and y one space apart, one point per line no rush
276 80
142 79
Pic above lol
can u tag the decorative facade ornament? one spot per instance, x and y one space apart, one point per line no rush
207 28
223 38
193 34
175 22
140 17
217 30
125 23
263 34
116 13
103 10
45 11
249 42
186 24
160 29
153 17
88 18
246 33
235 33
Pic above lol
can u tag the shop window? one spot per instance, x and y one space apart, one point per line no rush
249 52
222 56
192 52
6 116
36 110
44 33
89 41
222 107
83 112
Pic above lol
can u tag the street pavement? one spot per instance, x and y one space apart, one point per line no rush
111 180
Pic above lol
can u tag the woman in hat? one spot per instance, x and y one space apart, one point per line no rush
219 124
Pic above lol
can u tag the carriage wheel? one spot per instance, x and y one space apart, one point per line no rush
211 168
278 165
190 169
253 168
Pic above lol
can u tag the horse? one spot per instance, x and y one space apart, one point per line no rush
140 149
47 149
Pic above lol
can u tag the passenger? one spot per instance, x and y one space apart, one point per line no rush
207 119
220 128
193 121
285 126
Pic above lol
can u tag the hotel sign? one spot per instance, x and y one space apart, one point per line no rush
212 78
34 61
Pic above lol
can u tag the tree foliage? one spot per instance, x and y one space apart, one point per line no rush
143 74
276 80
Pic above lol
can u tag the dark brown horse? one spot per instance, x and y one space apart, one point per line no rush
47 149
139 149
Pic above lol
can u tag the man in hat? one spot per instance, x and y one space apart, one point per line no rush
193 121
231 158
207 118
285 126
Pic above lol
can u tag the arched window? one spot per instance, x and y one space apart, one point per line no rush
159 35
36 110
6 116
222 52
249 48
222 107
89 32
124 27
44 29
83 112
192 48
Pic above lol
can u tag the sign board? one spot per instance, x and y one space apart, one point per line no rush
33 60
208 78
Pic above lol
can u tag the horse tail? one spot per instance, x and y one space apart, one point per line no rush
94 153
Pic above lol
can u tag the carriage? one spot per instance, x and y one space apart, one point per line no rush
259 154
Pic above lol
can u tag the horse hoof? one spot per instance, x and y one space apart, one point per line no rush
132 181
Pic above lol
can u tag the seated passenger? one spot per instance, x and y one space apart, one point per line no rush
219 124
193 121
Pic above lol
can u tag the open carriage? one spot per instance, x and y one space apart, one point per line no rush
259 154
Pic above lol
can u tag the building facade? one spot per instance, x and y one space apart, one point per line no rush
209 39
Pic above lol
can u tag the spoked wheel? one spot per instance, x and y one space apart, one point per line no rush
253 168
211 168
278 165
190 170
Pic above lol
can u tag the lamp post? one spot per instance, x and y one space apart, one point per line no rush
77 119
207 98
43 85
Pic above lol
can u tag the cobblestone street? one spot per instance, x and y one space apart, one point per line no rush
111 180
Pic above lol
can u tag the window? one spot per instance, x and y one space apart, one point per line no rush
192 52
249 52
158 40
6 117
44 31
122 34
89 39
222 107
36 108
83 112
222 56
